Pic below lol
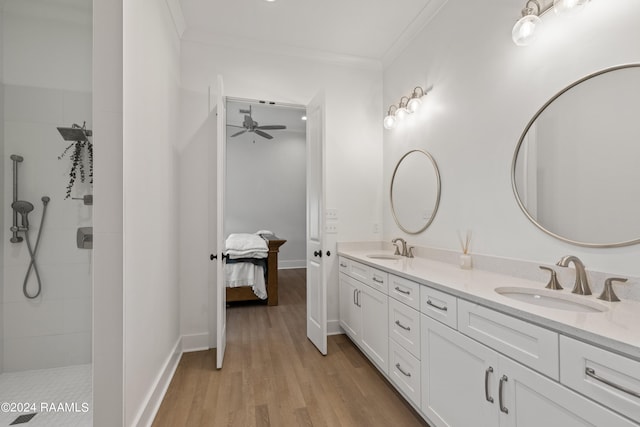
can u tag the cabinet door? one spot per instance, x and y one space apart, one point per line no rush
532 400
350 316
374 338
458 378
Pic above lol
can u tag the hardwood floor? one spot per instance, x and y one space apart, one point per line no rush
274 376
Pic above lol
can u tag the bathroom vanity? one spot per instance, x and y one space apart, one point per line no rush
463 351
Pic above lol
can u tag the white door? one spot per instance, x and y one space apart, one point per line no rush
316 288
216 179
458 378
375 325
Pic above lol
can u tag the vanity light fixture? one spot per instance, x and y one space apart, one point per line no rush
407 105
390 121
564 6
402 112
416 100
524 31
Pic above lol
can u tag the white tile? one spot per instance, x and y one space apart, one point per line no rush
77 316
31 318
66 384
24 103
44 352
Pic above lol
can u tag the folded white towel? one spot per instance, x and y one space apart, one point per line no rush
246 242
246 254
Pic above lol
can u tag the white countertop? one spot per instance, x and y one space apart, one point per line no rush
617 329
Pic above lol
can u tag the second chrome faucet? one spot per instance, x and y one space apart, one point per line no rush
408 252
581 286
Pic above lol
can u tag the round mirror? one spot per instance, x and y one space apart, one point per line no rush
415 191
575 171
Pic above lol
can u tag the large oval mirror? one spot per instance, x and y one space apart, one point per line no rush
415 191
576 168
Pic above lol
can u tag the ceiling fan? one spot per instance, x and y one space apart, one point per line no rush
250 125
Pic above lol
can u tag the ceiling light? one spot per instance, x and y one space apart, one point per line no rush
416 100
303 117
524 31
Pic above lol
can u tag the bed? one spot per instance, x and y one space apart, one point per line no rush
246 293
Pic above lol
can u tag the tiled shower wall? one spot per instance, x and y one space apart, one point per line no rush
54 329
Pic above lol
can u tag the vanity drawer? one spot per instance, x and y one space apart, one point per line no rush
404 370
529 344
404 326
373 277
439 305
405 291
609 379
343 265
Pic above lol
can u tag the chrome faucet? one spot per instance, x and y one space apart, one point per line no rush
404 246
581 286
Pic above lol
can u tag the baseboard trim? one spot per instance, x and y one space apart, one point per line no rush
195 342
296 263
156 394
333 327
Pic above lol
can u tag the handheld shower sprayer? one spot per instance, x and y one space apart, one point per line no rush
23 208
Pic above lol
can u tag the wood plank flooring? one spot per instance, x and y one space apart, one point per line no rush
274 376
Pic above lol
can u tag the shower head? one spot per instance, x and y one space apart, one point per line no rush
23 208
75 133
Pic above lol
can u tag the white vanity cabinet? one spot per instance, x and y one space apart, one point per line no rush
466 383
363 315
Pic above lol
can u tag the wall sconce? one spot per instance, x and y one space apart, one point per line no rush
524 31
406 106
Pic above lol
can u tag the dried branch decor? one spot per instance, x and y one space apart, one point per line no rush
81 155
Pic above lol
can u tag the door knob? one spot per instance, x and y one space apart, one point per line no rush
212 257
317 253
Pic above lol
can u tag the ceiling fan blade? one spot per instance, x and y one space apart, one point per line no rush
236 126
263 134
238 133
272 127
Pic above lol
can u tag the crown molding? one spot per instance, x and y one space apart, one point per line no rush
422 19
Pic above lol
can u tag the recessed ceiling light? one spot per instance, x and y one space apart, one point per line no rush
270 1
303 117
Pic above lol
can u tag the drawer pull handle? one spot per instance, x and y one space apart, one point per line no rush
486 384
403 291
503 380
406 328
406 374
592 373
436 306
375 279
343 265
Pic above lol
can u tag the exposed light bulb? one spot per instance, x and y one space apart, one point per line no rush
414 104
565 6
402 113
390 122
524 31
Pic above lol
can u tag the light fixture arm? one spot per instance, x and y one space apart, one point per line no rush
415 94
539 10
403 104
389 112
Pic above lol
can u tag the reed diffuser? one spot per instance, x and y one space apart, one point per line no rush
465 257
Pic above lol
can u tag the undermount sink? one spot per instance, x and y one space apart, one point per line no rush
552 299
383 256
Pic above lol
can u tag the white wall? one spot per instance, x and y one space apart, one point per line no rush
485 90
2 206
353 141
151 200
55 328
108 314
266 190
